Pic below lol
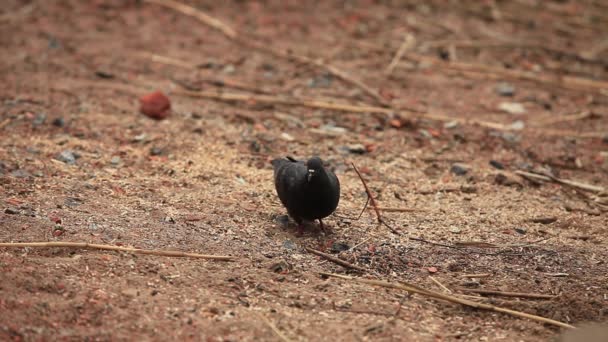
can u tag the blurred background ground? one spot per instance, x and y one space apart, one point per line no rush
78 162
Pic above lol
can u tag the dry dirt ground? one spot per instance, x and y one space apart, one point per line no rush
200 180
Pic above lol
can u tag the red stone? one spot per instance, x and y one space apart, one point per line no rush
155 105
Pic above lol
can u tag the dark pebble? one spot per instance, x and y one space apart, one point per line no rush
40 119
338 247
73 202
459 169
67 157
11 211
520 231
20 173
543 220
505 89
497 164
103 74
288 244
156 151
58 122
281 267
283 220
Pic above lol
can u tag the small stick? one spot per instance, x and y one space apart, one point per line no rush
567 82
567 118
313 103
115 248
508 294
398 210
574 184
432 243
166 60
273 328
234 36
483 306
373 201
200 15
445 289
407 44
476 275
336 260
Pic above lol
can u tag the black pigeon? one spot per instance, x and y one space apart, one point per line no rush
307 190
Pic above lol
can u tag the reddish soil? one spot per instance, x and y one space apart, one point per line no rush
78 162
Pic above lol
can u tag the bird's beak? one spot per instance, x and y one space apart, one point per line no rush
311 173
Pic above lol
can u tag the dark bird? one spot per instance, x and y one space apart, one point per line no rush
307 190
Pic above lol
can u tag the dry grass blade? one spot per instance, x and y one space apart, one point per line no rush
263 47
567 82
483 306
508 294
313 103
373 201
574 184
407 44
115 248
200 15
274 329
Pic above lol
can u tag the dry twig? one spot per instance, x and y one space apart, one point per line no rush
567 82
445 288
549 178
313 103
407 44
483 306
274 329
373 202
398 210
335 260
508 294
476 275
263 47
115 248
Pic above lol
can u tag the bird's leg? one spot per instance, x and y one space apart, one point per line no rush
322 226
300 230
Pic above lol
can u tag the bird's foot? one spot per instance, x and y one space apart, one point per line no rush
326 231
300 231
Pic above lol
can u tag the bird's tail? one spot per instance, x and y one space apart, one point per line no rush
282 161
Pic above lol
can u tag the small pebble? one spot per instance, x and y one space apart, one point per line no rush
505 89
518 125
288 244
321 81
496 164
338 247
229 69
287 137
20 173
512 107
67 157
455 230
281 267
58 122
450 124
156 151
140 137
356 148
460 169
11 211
155 105
115 160
40 119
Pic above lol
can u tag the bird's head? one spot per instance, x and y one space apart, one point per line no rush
315 167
